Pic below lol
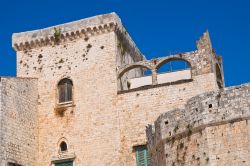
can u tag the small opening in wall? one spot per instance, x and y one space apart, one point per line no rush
166 122
13 164
210 106
63 146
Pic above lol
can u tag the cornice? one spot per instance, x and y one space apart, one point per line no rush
69 31
50 39
84 28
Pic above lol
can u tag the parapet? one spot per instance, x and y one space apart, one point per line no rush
70 31
228 105
204 111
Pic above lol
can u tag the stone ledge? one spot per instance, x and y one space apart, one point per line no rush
63 157
71 31
155 86
67 27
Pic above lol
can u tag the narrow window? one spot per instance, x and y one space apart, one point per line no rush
142 158
65 90
63 146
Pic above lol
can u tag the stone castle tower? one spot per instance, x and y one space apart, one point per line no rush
83 96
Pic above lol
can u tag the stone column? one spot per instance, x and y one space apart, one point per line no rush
154 76
119 84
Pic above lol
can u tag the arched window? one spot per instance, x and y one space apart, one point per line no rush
172 70
173 65
63 146
135 76
65 90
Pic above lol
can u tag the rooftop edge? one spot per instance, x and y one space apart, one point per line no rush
66 27
84 27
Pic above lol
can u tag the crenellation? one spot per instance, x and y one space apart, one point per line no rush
201 112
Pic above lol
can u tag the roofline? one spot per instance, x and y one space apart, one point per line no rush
81 28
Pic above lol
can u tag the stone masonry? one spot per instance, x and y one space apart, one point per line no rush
18 117
106 118
212 129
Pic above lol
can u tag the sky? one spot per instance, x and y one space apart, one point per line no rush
158 27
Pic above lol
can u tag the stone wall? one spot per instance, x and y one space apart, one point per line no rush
90 124
142 105
18 117
102 124
212 129
138 108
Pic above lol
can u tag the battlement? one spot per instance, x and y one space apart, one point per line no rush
210 109
71 31
204 110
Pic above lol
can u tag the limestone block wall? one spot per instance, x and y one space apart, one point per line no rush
212 129
90 124
19 121
102 124
138 108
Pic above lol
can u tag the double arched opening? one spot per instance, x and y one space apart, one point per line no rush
152 73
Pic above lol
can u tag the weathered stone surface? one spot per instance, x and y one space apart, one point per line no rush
214 124
19 121
106 119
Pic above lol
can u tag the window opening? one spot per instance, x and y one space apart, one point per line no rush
65 90
142 157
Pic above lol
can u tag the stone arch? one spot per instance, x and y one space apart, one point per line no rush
132 66
163 61
165 76
61 145
124 82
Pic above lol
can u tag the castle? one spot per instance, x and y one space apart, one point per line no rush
85 95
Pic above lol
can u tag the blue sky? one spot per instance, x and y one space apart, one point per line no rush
158 27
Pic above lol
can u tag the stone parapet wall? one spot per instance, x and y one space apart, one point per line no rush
203 114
